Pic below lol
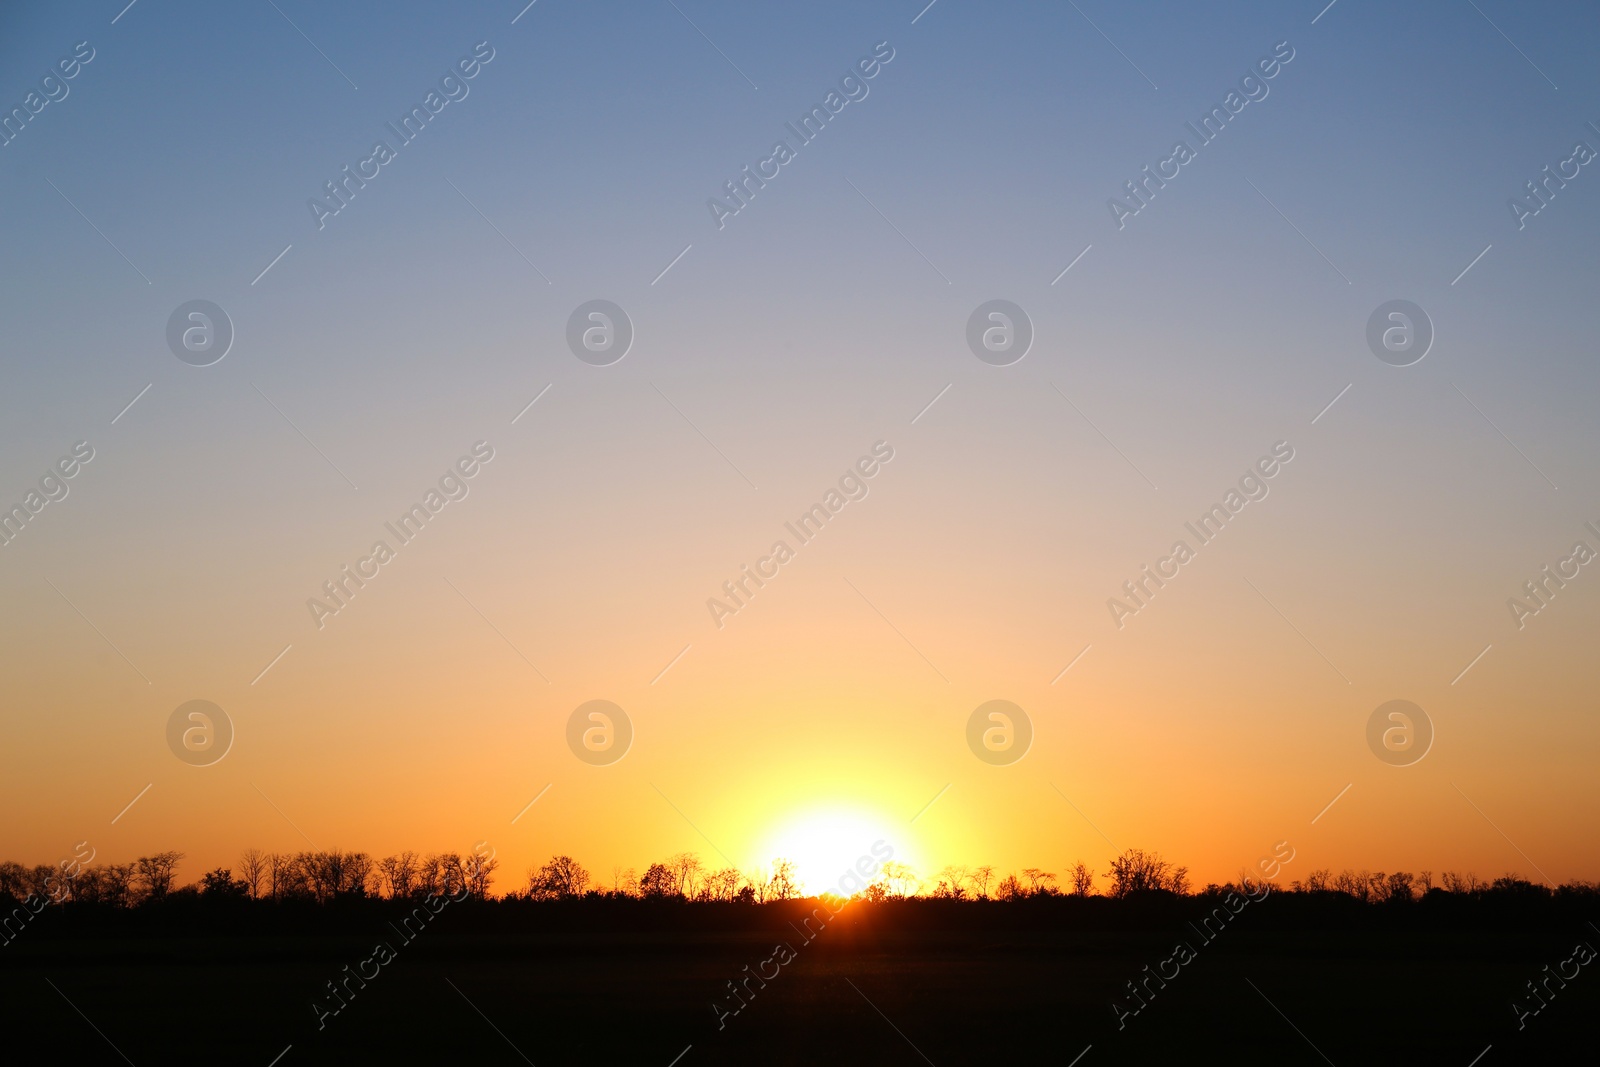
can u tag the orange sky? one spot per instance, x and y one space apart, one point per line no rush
1206 728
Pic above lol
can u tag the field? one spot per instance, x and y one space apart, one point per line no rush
968 983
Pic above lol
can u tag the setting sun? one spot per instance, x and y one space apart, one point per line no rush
826 845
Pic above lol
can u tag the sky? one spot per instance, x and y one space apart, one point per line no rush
1174 347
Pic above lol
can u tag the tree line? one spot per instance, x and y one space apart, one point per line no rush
324 876
318 876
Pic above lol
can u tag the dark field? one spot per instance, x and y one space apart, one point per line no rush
976 983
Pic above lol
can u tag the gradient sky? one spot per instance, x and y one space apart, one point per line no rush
1173 355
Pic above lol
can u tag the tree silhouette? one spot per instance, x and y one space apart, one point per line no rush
899 880
952 882
221 885
723 884
784 883
325 877
477 872
116 884
397 875
560 878
155 874
431 875
1138 871
657 882
1317 881
252 870
277 875
687 872
1398 887
1040 883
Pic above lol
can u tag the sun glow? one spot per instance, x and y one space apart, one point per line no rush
825 846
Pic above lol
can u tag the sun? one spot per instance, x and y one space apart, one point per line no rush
825 846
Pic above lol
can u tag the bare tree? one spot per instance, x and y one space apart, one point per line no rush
756 882
56 885
1398 887
952 882
624 881
1138 871
899 879
1352 884
478 870
296 877
981 877
14 880
1377 885
657 882
561 878
358 875
333 873
277 874
1082 879
252 870
1040 883
117 884
398 874
88 885
431 875
312 875
453 873
35 879
1010 889
784 883
156 873
687 870
723 884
